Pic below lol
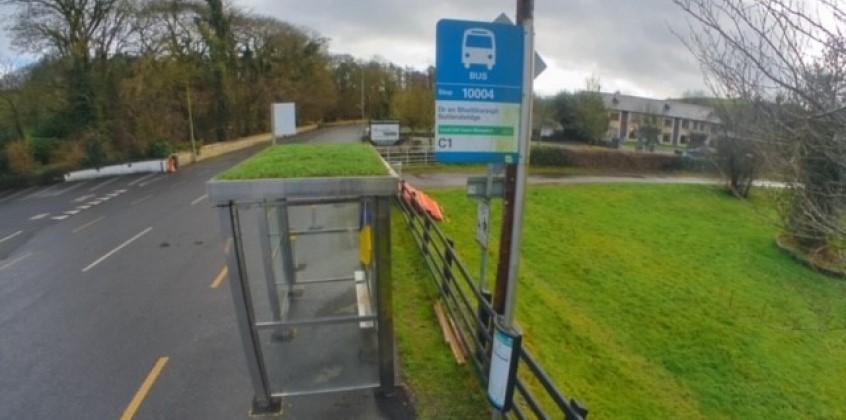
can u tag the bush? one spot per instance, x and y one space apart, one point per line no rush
68 156
20 157
95 147
161 149
43 149
549 156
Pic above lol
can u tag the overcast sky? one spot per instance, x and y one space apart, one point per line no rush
626 43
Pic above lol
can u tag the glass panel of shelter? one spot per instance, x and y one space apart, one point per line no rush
311 293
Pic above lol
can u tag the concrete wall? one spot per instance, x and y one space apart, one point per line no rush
148 166
216 149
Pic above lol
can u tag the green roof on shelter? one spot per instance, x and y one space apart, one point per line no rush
310 161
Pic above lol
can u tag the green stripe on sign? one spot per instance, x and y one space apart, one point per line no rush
476 130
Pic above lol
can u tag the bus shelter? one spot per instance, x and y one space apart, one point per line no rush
309 261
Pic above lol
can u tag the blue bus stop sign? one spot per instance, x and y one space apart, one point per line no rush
479 82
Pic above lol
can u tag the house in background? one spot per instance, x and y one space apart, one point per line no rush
678 123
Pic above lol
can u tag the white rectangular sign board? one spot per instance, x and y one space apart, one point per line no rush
384 132
284 119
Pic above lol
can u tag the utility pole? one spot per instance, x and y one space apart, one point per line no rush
515 181
362 98
190 121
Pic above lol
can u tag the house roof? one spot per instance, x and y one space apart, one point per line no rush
663 107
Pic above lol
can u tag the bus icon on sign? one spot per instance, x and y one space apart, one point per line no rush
478 47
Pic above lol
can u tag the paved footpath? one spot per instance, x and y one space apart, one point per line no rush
453 180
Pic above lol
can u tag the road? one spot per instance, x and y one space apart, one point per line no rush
111 299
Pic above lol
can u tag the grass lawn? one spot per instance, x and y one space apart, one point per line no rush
668 301
440 388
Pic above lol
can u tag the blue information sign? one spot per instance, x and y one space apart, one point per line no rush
479 91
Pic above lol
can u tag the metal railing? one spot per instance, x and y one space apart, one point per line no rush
408 155
471 312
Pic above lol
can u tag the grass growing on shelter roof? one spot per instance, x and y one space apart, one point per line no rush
310 161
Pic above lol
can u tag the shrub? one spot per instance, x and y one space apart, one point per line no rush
161 149
95 147
20 157
68 156
43 149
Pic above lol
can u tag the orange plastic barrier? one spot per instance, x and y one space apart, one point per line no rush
420 201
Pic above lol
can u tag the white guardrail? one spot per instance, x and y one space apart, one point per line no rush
408 155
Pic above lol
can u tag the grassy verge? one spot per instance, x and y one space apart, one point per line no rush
440 388
671 301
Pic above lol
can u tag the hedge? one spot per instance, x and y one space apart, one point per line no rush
618 160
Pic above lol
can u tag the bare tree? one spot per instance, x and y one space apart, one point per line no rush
11 81
76 30
784 59
217 31
649 129
739 158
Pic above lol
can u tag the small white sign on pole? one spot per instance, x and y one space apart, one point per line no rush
483 222
284 120
502 374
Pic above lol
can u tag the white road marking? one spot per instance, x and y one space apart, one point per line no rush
144 184
106 182
94 202
9 264
9 197
72 212
120 191
11 236
62 217
200 198
118 248
88 224
39 216
140 179
83 207
83 198
142 199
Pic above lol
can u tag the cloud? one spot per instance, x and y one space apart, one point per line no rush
626 43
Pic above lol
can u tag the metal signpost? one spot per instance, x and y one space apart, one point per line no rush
516 176
479 91
483 115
